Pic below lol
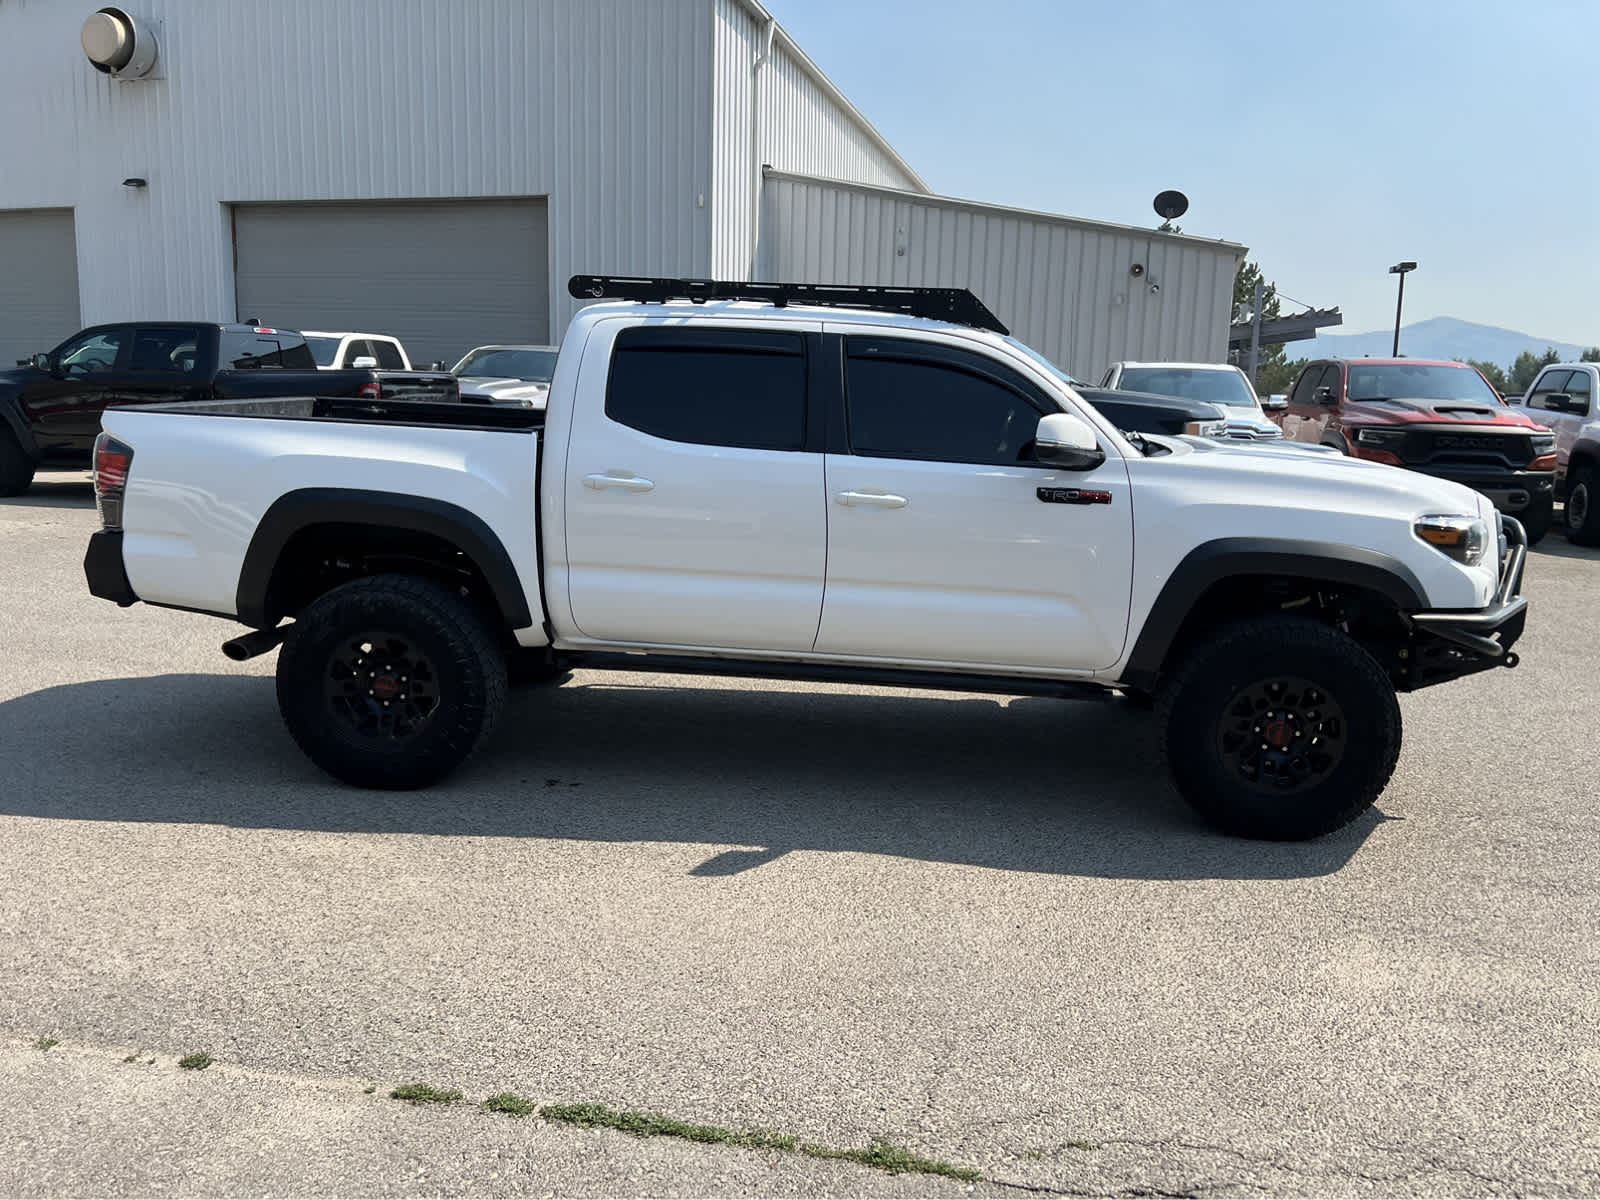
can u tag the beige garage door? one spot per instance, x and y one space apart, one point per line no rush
38 281
441 275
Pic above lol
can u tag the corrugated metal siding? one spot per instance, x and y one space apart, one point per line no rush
602 105
803 130
38 282
1062 285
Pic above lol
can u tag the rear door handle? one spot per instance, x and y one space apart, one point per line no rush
871 500
626 480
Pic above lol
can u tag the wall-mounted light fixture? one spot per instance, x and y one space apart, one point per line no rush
135 181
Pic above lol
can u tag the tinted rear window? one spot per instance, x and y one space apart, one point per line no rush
249 351
711 387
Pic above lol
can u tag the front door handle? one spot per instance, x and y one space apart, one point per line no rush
871 500
626 480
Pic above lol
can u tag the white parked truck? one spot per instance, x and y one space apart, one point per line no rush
857 484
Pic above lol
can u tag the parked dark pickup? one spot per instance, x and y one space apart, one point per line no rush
1140 412
50 405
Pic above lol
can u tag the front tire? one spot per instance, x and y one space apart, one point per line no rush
1280 728
1537 518
390 682
16 468
1582 514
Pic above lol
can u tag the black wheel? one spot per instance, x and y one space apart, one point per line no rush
16 468
390 682
1583 515
1280 728
1537 518
533 666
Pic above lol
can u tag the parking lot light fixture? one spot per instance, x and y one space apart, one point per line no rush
1400 269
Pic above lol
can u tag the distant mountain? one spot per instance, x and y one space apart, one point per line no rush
1440 337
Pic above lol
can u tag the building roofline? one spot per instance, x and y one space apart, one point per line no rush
791 47
1002 210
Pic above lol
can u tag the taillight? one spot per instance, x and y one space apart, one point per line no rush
371 391
111 462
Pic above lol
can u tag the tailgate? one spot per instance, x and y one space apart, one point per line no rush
418 385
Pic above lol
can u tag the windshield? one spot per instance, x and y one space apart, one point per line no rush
323 349
1045 362
1408 381
1225 387
504 362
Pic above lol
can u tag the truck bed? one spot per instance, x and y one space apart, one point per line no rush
351 409
209 473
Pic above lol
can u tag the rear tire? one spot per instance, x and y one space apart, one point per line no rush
1537 518
1280 728
16 468
1582 513
390 682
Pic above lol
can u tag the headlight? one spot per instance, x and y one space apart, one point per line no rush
1208 429
1384 438
1543 443
1463 538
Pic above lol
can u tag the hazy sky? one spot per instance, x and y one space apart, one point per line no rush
1334 139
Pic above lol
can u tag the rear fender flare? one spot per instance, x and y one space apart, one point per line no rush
308 507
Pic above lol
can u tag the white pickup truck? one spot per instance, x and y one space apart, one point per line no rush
819 484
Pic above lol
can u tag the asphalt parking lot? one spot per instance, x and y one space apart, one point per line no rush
984 929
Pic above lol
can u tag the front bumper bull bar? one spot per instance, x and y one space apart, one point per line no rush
1450 643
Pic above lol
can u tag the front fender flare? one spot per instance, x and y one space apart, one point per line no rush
1224 558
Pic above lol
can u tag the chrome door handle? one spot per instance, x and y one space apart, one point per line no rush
871 500
626 480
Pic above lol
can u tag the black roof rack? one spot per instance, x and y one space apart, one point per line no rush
956 305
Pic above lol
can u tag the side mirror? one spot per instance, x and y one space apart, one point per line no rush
364 362
1067 441
1275 404
1323 395
41 362
1558 402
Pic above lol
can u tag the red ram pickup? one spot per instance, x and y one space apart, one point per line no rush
1439 418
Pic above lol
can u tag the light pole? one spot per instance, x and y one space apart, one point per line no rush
1400 269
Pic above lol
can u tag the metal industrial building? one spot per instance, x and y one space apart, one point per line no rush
436 169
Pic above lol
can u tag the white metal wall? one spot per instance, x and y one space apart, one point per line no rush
803 126
1063 286
602 105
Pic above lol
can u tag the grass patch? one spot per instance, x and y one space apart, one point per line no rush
881 1156
425 1093
896 1160
198 1061
369 1089
46 1043
509 1103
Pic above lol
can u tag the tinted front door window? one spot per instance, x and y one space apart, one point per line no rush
906 403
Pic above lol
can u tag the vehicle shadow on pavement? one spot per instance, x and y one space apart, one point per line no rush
1051 786
1557 547
73 492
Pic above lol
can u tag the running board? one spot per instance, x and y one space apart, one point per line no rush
803 672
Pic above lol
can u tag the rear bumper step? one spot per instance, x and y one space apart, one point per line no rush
102 567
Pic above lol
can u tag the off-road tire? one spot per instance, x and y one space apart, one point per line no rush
424 638
16 468
1200 710
1583 507
1537 518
